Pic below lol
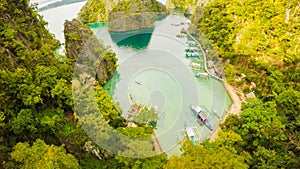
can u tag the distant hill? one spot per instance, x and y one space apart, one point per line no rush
189 6
135 14
97 11
103 11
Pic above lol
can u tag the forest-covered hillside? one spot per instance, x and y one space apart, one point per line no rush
189 6
136 6
39 125
134 14
259 43
97 10
35 94
124 15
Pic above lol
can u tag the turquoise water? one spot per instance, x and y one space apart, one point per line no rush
138 39
154 71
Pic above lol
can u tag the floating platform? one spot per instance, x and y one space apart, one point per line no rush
134 110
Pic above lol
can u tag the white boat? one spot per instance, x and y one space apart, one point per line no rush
192 133
202 75
196 65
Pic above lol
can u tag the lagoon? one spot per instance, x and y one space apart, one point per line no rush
156 60
158 73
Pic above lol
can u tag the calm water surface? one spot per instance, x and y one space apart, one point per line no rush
159 74
154 71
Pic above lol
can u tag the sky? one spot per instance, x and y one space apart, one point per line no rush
162 1
42 3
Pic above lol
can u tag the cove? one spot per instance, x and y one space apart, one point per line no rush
153 70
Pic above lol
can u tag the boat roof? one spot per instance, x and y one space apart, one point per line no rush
198 108
206 74
189 131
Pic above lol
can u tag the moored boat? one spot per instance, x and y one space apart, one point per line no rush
202 75
190 133
201 118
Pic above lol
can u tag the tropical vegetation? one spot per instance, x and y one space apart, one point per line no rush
44 125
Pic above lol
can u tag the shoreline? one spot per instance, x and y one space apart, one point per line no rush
235 107
133 31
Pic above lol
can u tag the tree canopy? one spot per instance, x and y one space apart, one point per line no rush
41 155
259 39
39 127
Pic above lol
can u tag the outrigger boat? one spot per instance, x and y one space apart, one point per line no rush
198 111
202 75
190 133
191 49
138 82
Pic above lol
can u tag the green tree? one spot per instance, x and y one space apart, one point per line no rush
41 155
258 38
208 155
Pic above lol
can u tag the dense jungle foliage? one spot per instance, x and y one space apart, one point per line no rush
258 39
98 11
188 6
41 128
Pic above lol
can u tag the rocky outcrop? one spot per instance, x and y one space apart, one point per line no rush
133 15
88 52
97 11
119 22
24 40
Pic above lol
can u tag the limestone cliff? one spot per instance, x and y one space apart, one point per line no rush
97 10
84 48
24 40
133 15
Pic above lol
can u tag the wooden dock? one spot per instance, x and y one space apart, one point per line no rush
156 144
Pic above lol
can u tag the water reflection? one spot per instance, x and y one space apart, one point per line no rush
138 39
